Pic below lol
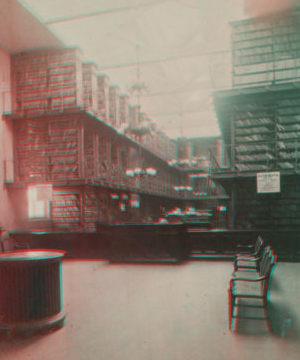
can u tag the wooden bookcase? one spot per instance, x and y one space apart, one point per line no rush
266 50
267 131
31 151
46 149
123 109
254 131
90 87
66 209
47 80
64 150
114 117
90 204
103 97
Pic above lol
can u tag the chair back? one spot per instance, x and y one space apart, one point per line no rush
272 260
264 259
259 244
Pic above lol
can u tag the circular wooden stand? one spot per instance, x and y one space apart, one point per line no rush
31 291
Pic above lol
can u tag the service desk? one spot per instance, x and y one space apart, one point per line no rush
162 242
155 242
285 242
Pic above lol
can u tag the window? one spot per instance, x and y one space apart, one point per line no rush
38 201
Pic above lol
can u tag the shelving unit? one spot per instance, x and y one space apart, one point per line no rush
66 209
114 168
103 159
90 209
266 50
46 150
31 151
47 80
288 133
64 149
89 154
254 131
123 109
90 88
114 105
123 165
261 127
103 97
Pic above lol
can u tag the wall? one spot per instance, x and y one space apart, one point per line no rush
269 211
6 148
17 199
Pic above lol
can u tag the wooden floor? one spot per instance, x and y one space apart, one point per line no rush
161 312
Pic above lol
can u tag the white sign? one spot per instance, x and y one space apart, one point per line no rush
134 200
268 182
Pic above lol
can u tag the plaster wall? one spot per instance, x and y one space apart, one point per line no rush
6 143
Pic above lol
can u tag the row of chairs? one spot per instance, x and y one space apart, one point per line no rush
249 290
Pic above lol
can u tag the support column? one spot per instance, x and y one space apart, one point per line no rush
232 137
81 163
233 207
96 154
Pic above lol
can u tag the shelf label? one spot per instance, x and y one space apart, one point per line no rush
268 182
134 200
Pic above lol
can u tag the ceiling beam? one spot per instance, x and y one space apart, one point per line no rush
175 92
102 12
180 112
145 62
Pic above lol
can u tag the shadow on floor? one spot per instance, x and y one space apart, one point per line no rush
283 310
285 321
13 342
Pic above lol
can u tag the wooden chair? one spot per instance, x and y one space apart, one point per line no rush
250 250
251 263
252 293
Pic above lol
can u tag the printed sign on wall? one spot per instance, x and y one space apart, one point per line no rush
268 182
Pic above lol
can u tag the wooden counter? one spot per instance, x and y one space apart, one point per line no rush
159 242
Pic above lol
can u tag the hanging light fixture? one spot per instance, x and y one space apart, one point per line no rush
143 126
139 172
182 188
190 162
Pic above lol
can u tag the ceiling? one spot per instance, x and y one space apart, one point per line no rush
182 47
21 30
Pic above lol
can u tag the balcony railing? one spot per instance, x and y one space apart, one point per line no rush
63 98
39 171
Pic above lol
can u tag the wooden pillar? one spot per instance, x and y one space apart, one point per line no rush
233 207
232 137
96 154
81 169
82 208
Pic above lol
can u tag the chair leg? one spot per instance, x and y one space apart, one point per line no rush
231 309
233 319
267 300
267 314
